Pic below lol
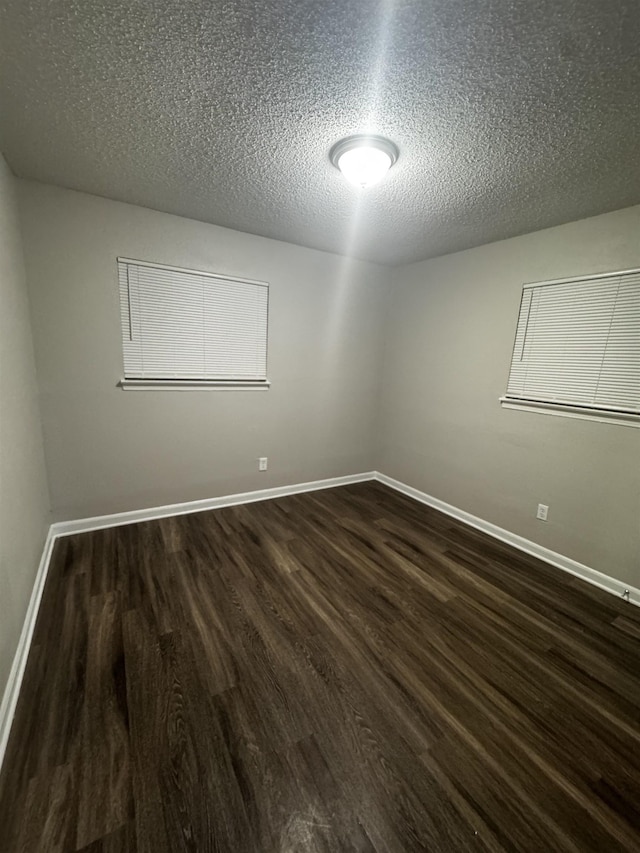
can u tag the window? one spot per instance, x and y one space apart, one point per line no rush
577 347
190 329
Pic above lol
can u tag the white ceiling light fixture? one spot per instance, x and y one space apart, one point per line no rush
364 159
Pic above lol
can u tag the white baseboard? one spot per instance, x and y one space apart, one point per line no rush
83 525
592 576
12 689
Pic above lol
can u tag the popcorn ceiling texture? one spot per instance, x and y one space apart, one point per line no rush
510 116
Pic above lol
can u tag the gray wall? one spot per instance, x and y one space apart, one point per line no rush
449 338
428 415
24 500
109 450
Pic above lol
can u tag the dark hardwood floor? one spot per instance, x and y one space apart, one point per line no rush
342 670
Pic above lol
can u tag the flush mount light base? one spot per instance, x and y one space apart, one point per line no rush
364 159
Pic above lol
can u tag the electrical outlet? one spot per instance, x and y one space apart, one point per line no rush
262 463
542 512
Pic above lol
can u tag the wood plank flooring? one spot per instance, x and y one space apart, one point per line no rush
345 670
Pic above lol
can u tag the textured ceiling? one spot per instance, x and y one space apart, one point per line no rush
510 115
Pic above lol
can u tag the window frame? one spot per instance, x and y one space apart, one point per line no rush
592 412
190 384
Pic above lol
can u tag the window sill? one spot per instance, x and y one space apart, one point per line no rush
563 411
190 385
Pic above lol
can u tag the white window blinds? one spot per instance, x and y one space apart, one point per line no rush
578 344
194 326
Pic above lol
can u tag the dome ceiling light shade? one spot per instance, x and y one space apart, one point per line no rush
364 160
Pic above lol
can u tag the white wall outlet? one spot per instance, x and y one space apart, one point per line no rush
262 463
542 512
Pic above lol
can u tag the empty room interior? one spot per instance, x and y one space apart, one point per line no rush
319 409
